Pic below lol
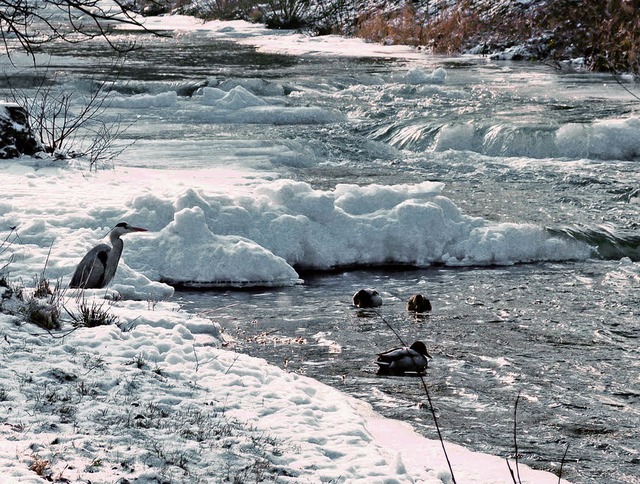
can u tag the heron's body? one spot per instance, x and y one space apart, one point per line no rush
401 360
367 298
98 267
418 303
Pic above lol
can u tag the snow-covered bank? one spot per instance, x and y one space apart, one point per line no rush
157 399
249 233
280 41
156 402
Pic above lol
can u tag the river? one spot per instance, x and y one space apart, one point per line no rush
519 143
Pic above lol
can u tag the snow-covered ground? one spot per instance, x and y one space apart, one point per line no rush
155 400
156 397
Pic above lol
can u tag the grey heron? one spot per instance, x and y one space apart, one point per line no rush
97 268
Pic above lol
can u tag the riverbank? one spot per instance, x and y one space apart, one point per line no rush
597 36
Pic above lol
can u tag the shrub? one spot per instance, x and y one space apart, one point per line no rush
42 288
220 9
68 123
42 314
442 30
606 34
92 315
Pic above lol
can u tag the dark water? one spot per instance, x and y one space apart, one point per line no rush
555 334
563 336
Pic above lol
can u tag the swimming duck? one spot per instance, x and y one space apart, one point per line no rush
367 298
418 303
400 360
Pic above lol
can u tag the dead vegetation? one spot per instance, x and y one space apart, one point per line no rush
605 34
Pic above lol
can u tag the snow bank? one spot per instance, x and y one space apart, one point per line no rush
350 225
610 139
419 76
230 103
155 402
236 98
187 251
144 101
257 86
253 234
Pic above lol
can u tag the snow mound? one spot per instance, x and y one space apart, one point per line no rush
236 98
144 101
419 76
187 252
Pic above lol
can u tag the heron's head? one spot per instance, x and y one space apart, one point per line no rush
124 228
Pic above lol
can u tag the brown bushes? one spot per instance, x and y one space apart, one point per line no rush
606 33
442 30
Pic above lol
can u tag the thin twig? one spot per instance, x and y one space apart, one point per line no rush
431 408
46 261
564 456
58 335
130 325
195 354
513 477
232 363
621 84
515 435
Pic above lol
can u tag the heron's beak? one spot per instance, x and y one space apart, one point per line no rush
138 229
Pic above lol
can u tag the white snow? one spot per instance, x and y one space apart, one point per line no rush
249 233
419 76
156 397
607 139
144 101
159 401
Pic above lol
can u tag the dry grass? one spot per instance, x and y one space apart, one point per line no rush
91 315
41 467
42 314
401 27
447 32
606 34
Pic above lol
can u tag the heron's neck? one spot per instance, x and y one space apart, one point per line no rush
117 244
113 257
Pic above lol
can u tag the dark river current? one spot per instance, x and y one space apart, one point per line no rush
513 143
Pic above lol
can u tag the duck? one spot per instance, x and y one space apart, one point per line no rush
367 298
397 361
418 303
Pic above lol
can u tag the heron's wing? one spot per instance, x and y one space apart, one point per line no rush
90 271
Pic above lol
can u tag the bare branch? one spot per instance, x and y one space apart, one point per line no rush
515 437
27 25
